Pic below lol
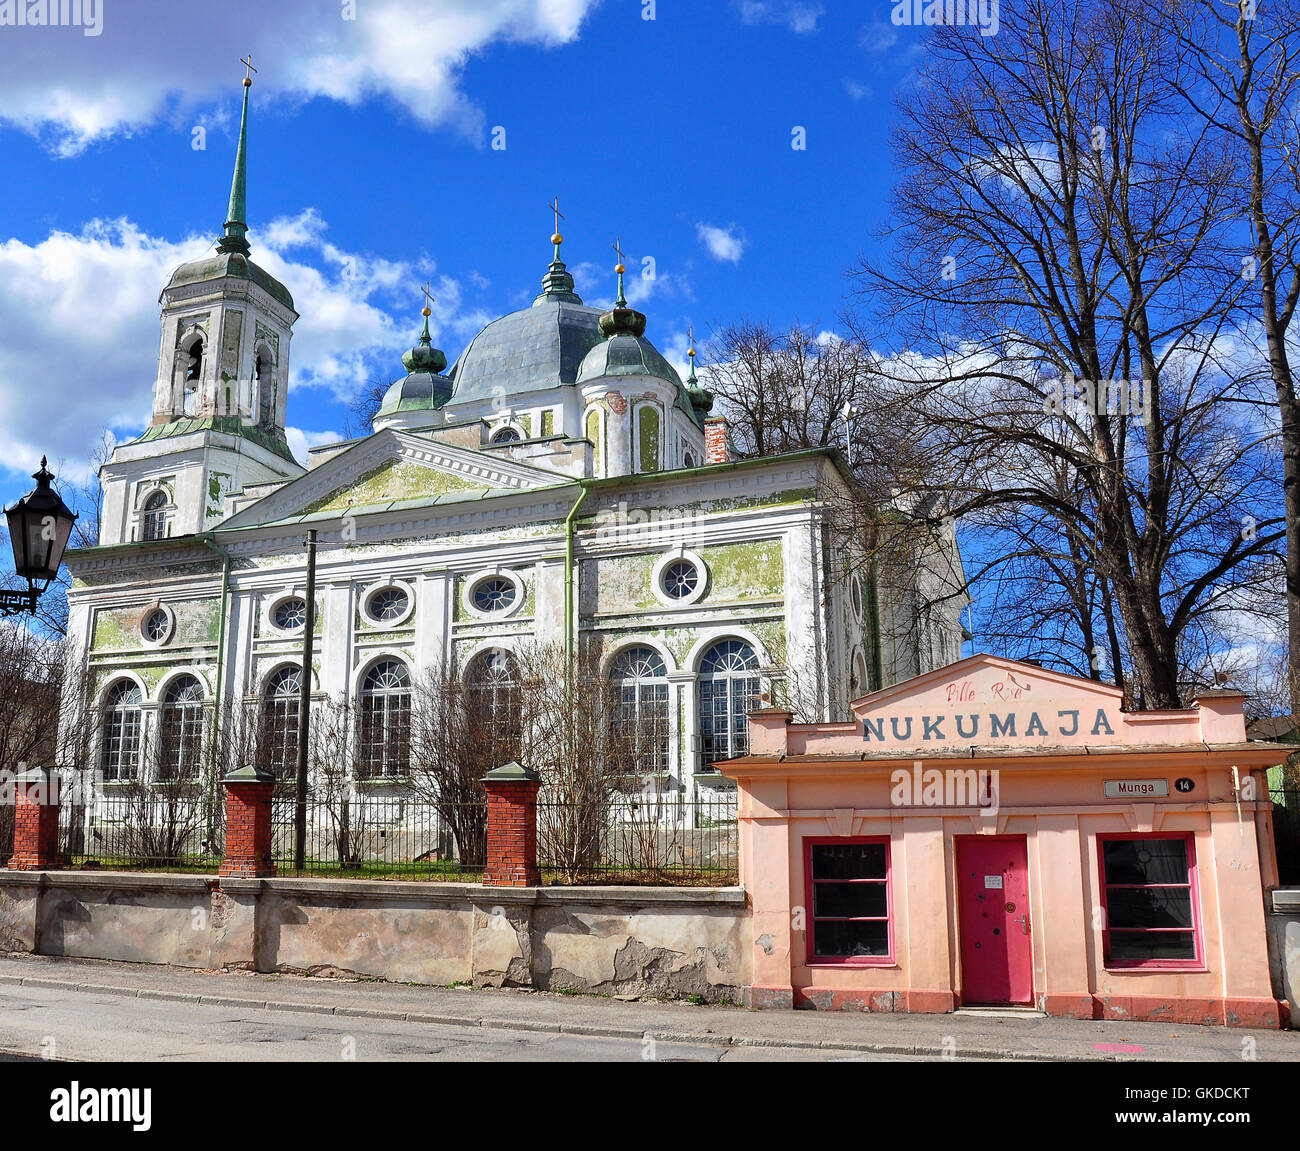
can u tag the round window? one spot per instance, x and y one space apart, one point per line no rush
680 579
157 625
290 613
496 593
387 604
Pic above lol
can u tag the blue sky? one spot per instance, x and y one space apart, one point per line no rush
371 169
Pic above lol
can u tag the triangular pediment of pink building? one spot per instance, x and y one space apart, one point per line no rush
987 679
987 700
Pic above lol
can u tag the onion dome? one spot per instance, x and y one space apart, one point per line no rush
701 397
423 388
621 320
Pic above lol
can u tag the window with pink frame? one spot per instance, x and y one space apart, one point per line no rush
1150 901
850 905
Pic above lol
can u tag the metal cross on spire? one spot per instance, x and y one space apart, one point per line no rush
247 62
621 302
428 298
554 206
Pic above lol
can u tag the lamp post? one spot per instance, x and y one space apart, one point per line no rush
39 526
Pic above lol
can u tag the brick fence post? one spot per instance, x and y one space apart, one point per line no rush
248 823
512 826
36 821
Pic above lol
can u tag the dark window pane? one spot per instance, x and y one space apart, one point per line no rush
850 938
1142 945
1145 860
1149 906
849 899
848 860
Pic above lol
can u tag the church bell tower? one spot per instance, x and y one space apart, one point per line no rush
219 397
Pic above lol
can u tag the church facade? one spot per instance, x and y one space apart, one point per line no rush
558 484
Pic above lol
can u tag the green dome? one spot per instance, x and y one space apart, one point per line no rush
626 355
230 264
420 391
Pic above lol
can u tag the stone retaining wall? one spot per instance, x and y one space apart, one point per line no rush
661 941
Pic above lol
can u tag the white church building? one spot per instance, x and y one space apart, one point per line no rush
559 483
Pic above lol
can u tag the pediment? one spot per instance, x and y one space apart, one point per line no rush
386 470
986 700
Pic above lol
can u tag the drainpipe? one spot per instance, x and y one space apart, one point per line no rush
207 541
568 584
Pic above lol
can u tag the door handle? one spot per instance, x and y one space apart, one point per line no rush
1024 924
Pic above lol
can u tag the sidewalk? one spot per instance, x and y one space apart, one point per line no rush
964 1036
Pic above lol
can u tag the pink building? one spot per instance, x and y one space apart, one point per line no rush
993 833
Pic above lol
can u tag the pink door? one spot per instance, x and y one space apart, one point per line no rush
997 952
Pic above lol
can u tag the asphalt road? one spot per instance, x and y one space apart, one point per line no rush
82 1026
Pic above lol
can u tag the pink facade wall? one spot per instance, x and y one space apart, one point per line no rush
1053 794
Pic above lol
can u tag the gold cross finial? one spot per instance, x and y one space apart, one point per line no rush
428 299
618 247
554 206
690 340
248 69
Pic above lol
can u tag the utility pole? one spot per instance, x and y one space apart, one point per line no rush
304 710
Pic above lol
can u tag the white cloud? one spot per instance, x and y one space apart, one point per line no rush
150 65
79 327
796 15
300 441
856 90
724 244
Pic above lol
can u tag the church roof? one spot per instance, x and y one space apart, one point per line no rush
626 355
231 264
530 350
231 425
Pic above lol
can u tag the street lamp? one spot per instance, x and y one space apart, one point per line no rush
39 526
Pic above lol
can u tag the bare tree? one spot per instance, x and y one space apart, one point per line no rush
1238 71
1053 226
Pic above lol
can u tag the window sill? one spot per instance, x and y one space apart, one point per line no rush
883 962
1186 966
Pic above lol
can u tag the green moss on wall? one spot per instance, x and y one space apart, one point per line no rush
395 480
745 570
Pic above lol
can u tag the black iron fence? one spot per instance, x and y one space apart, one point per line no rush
1286 833
378 832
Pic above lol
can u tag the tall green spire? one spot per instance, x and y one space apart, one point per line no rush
236 215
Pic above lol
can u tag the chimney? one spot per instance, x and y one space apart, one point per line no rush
717 440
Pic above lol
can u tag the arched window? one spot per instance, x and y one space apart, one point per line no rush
153 519
191 371
265 385
640 679
279 735
193 360
494 705
385 721
181 729
506 435
647 438
119 751
493 684
728 693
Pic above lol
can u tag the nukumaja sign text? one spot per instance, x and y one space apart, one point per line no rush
1003 715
